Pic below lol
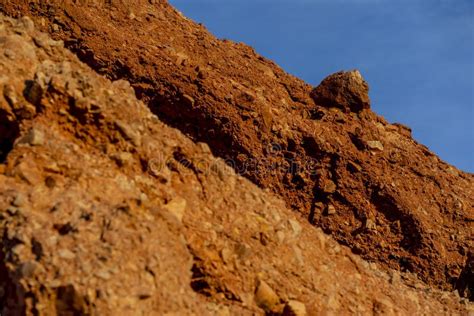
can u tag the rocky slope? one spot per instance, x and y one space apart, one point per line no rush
106 210
343 168
109 210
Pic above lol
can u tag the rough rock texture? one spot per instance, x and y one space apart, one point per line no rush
105 210
362 180
345 90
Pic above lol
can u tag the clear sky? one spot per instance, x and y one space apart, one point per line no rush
417 55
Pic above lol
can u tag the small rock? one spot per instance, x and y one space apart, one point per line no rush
12 211
33 92
243 250
123 158
103 274
181 59
9 53
52 240
50 182
122 85
28 172
128 133
403 129
54 283
264 238
383 307
229 98
265 297
226 255
395 277
296 227
177 208
24 110
19 201
375 145
330 210
294 308
370 224
18 249
346 90
28 268
280 236
42 41
204 147
66 254
223 311
18 49
329 187
188 100
35 137
298 255
10 95
81 105
70 296
202 73
354 167
27 23
319 206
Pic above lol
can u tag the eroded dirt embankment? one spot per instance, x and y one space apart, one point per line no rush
362 180
105 210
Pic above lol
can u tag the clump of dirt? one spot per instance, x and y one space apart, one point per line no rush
362 180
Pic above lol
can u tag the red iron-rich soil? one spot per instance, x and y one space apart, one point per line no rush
335 163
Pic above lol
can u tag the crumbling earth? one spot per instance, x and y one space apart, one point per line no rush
391 200
104 204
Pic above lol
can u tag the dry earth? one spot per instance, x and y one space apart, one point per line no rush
106 209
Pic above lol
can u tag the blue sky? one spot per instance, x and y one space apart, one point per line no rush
417 55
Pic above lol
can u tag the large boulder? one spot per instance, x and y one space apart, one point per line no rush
345 90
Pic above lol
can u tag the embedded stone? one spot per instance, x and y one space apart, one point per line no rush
345 90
